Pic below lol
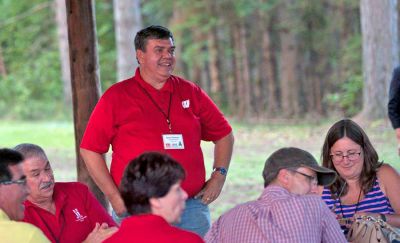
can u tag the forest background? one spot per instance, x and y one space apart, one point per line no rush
282 71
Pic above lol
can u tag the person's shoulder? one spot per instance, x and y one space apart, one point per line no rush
248 209
27 228
311 201
117 87
387 174
386 170
184 83
23 226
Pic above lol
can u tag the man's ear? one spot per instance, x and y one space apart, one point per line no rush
155 203
283 176
139 56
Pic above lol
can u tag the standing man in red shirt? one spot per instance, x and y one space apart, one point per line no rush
157 111
65 212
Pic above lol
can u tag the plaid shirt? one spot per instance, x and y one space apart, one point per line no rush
277 216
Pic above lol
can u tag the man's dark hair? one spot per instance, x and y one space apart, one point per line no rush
150 175
8 157
149 33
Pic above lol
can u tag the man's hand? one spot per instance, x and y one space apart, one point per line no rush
118 204
212 188
100 233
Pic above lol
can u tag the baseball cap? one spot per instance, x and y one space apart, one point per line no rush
294 157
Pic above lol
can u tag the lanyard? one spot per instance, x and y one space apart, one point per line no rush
159 108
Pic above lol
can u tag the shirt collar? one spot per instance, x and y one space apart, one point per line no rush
168 87
59 197
146 219
278 190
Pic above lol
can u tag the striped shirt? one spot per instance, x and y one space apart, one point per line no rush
277 216
374 202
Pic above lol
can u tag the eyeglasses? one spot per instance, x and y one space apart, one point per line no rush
18 182
312 179
350 156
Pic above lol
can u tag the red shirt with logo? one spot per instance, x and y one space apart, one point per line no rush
131 117
77 212
151 228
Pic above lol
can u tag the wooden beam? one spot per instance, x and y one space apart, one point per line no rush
84 77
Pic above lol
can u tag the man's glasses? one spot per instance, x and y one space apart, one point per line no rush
312 179
350 156
18 182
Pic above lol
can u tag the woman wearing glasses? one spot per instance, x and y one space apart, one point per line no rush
365 186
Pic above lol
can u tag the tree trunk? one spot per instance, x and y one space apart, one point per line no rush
199 67
380 54
128 22
84 76
63 47
214 66
229 64
177 19
289 55
269 99
243 73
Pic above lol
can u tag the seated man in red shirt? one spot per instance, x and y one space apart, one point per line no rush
152 193
65 212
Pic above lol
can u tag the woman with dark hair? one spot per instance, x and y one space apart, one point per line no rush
365 185
152 194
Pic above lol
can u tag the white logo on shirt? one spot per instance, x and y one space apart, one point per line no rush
78 215
186 104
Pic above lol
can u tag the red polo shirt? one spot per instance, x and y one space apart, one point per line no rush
151 228
128 118
77 212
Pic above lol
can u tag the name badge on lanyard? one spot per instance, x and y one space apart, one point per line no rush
173 141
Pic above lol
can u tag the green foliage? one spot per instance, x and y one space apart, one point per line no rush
348 97
32 89
106 43
157 12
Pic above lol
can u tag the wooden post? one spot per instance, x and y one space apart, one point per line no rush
84 77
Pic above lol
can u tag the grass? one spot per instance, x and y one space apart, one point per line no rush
253 144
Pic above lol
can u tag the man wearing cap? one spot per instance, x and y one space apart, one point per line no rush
288 210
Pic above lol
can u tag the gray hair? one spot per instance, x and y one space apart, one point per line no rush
29 150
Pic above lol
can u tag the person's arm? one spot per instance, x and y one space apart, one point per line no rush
331 231
36 236
389 180
212 235
222 157
98 170
394 104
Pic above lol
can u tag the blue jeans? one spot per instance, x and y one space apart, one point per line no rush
195 217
